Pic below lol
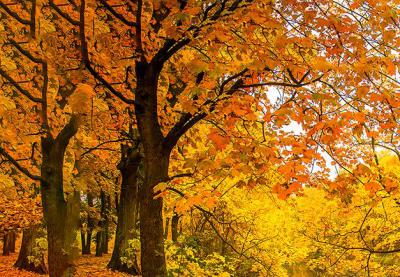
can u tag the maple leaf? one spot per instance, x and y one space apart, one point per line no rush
219 141
373 186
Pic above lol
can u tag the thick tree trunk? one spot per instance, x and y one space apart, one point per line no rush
151 224
61 214
156 160
127 210
29 236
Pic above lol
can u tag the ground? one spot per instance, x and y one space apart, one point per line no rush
88 266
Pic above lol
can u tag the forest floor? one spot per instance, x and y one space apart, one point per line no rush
87 266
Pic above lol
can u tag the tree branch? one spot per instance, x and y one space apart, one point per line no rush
87 63
14 14
19 88
282 84
117 15
63 14
18 166
99 145
68 131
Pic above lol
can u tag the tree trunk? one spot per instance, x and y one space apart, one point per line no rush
9 239
88 241
156 161
151 222
6 245
174 227
61 214
29 236
102 234
12 237
166 228
83 240
87 237
127 210
99 243
105 239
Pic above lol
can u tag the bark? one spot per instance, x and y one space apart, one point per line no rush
83 240
102 234
166 228
151 230
9 239
29 236
174 227
107 227
127 209
86 243
104 241
99 243
12 238
6 245
87 236
156 161
61 213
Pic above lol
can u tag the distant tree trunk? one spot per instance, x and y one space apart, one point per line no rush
87 240
106 232
6 245
29 236
83 240
174 227
99 243
104 241
102 234
61 213
12 237
127 209
166 228
9 239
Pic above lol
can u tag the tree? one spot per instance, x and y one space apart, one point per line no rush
186 61
33 83
130 167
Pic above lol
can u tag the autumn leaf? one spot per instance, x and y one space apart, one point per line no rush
80 100
218 140
372 186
